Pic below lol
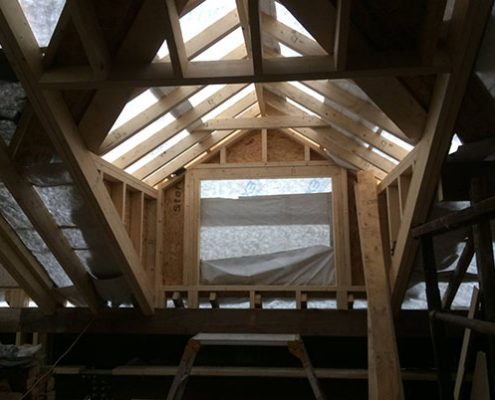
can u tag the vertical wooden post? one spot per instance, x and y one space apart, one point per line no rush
383 359
482 237
437 328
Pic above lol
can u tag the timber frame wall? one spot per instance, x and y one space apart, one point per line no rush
174 267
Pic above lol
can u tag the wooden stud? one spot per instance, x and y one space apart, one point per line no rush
383 361
136 223
342 28
86 22
461 368
393 215
175 42
25 269
432 149
264 145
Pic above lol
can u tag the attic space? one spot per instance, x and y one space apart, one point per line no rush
211 198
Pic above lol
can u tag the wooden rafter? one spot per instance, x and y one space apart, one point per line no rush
196 151
336 118
86 22
466 29
23 53
246 32
175 42
342 27
397 102
337 143
192 139
178 125
25 269
32 205
140 44
157 110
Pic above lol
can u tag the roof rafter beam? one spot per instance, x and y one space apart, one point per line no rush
157 110
192 153
336 142
195 137
25 58
334 117
175 42
181 123
342 28
466 29
86 22
25 269
396 101
140 45
242 9
42 220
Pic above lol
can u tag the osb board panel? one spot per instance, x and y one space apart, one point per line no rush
213 159
315 156
149 237
356 260
282 148
173 234
246 149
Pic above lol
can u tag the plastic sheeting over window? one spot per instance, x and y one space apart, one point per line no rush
266 231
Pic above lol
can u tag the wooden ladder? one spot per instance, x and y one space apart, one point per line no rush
293 342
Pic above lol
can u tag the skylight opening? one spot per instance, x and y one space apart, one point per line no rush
204 15
139 137
307 90
284 16
135 107
158 151
454 144
42 16
203 94
287 51
301 107
228 103
223 47
396 140
163 51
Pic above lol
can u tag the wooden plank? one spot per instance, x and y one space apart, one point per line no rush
342 28
363 109
175 42
393 214
383 360
432 149
396 101
269 122
481 387
336 118
466 340
34 208
140 44
196 150
255 37
195 137
128 76
86 22
264 145
431 29
178 125
23 53
25 269
137 219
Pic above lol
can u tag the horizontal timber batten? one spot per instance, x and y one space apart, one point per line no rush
409 323
225 71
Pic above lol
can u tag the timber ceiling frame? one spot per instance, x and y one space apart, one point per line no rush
346 124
